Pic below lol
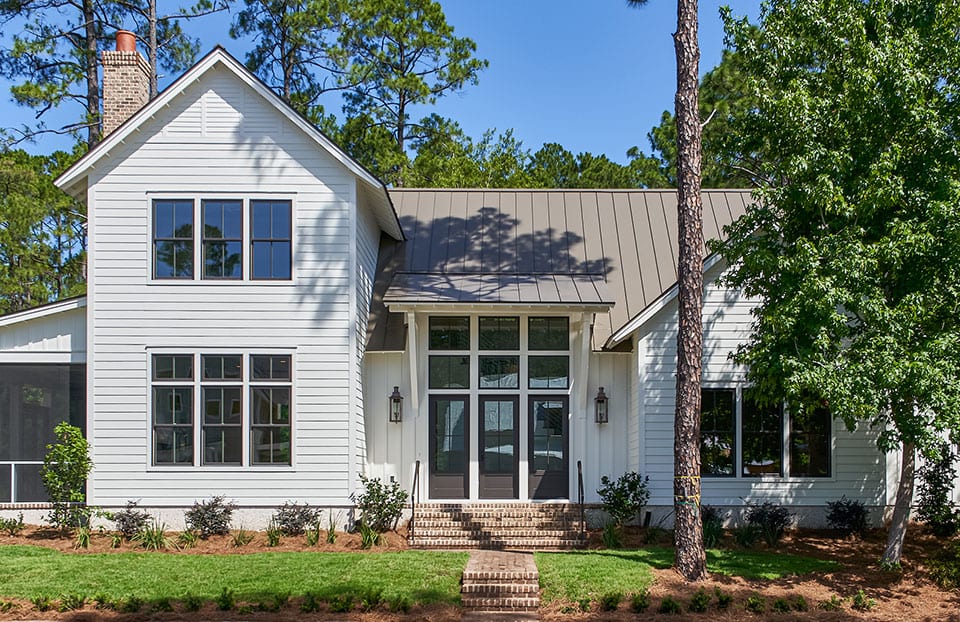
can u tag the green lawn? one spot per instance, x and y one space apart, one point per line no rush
574 575
424 577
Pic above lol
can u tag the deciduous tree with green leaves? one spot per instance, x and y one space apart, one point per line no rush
853 246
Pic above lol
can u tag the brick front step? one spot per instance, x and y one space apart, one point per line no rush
504 544
528 589
501 603
529 526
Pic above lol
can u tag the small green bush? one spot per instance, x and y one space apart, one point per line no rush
368 536
341 604
781 605
756 604
669 606
848 517
210 518
610 601
771 519
13 526
131 520
584 604
6 606
331 528
153 537
861 602
800 604
273 534
724 599
313 535
380 504
945 566
192 602
934 503
40 602
640 601
241 537
625 498
71 602
611 536
64 474
712 520
160 605
188 539
310 603
81 538
746 536
834 604
700 601
132 604
226 600
400 604
293 519
371 599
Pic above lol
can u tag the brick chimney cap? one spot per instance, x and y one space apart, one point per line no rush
126 41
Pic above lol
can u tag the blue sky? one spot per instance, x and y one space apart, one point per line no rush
591 75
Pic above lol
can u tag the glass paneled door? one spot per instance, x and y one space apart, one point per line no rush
499 440
549 446
449 457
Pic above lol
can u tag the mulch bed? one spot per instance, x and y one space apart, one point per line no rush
906 595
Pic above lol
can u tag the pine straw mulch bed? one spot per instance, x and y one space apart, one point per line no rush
907 595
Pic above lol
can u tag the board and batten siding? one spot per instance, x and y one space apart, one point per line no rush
57 337
367 246
858 467
219 139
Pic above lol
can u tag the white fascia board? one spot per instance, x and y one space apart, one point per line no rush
219 56
44 311
655 307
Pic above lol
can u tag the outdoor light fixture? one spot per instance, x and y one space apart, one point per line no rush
396 406
602 412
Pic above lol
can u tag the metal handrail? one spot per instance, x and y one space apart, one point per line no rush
583 524
414 499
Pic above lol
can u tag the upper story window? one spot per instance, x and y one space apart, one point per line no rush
222 239
270 239
218 244
173 239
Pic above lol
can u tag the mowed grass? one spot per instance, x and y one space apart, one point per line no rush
575 575
421 576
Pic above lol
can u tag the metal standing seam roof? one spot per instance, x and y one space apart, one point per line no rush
530 247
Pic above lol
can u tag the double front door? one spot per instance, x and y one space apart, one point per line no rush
496 447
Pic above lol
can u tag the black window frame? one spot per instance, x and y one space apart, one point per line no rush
272 239
206 240
187 241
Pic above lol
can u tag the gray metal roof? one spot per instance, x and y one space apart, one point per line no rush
576 247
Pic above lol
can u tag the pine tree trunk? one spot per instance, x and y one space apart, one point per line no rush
690 557
901 508
154 53
93 84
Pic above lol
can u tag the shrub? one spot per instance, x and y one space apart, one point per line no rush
313 535
41 602
160 604
724 600
341 604
756 603
210 518
310 603
371 599
273 533
611 536
771 519
781 605
293 519
192 602
13 526
669 606
226 600
153 537
610 601
380 504
331 528
584 604
712 521
800 604
188 539
625 498
700 601
861 602
945 566
81 538
834 604
746 536
71 602
640 601
934 506
130 521
132 604
368 536
64 474
7 606
847 516
241 537
400 604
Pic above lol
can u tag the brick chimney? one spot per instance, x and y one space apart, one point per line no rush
126 81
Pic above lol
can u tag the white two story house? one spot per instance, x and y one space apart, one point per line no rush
265 320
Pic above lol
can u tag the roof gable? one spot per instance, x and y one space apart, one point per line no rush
73 179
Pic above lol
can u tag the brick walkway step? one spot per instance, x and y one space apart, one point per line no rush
500 581
527 526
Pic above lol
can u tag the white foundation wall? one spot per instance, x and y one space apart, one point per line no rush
219 139
858 467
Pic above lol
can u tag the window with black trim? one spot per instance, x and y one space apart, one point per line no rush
270 439
270 239
173 409
810 442
222 239
222 409
173 239
718 439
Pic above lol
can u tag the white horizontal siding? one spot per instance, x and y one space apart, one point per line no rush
219 140
858 466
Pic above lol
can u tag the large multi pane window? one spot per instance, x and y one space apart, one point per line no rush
742 438
242 404
173 239
270 239
449 371
221 238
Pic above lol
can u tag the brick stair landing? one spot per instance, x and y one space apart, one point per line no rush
500 582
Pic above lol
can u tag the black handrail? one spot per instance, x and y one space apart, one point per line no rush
583 525
414 499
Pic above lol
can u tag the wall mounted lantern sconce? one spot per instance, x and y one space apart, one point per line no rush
396 406
602 407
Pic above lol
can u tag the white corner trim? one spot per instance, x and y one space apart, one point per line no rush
656 306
